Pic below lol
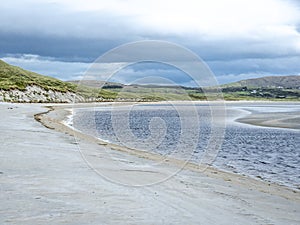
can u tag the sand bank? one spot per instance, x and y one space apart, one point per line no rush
44 180
282 120
285 119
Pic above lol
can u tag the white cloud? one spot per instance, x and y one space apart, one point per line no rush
210 19
213 18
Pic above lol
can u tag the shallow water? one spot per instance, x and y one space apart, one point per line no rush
272 154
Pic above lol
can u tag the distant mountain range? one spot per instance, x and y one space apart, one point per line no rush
19 85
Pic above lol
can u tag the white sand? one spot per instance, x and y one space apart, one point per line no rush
44 180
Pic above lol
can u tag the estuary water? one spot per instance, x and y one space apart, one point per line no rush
189 131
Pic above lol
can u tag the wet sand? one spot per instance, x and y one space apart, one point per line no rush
282 120
45 180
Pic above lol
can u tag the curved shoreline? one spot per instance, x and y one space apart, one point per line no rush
56 114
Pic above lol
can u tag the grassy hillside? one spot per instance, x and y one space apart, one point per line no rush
13 77
289 82
16 78
265 88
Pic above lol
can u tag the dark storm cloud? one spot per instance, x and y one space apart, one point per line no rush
50 30
60 48
284 65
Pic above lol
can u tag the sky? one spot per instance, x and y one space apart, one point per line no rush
237 39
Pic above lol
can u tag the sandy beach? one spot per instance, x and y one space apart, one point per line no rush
45 180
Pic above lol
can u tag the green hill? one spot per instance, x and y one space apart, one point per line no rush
13 77
19 85
264 88
290 82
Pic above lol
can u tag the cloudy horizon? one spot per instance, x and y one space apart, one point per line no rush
238 39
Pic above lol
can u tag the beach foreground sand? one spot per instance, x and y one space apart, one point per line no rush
44 180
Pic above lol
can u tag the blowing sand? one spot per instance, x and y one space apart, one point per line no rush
44 180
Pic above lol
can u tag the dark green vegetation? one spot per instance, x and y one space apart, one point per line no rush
267 88
261 93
